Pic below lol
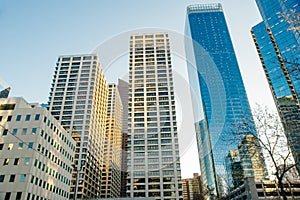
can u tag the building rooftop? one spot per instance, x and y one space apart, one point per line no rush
202 8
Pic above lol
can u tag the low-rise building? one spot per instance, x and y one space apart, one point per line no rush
36 153
266 190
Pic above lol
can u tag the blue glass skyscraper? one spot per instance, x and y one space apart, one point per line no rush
218 94
277 41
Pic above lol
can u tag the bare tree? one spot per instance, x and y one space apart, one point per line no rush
293 18
270 138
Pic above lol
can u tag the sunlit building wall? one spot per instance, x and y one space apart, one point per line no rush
36 152
111 174
153 151
192 188
78 100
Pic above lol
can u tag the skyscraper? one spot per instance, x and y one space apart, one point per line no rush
78 100
111 175
220 98
277 42
153 152
123 88
247 161
192 188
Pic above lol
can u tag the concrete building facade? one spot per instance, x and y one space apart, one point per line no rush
36 153
111 174
78 100
267 190
153 151
192 188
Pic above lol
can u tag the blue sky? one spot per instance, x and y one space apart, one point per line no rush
34 33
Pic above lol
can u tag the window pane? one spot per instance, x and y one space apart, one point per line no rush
19 195
27 118
26 161
6 161
20 146
5 132
23 178
18 118
15 130
17 161
7 196
12 178
37 117
10 146
30 145
24 131
33 131
2 178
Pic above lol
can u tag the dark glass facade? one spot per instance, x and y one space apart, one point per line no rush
4 93
218 94
278 44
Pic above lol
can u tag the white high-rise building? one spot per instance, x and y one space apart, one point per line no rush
36 153
153 152
78 99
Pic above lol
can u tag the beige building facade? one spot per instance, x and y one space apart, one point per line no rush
36 153
111 175
78 99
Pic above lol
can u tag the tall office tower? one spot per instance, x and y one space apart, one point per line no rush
192 188
277 44
153 152
111 175
216 83
36 152
78 99
247 161
123 88
4 93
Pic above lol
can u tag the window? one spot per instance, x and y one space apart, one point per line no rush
27 118
17 161
5 132
23 178
6 161
12 178
1 146
20 146
33 131
9 118
19 195
7 195
18 118
37 117
30 145
15 130
26 161
24 131
2 178
10 146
